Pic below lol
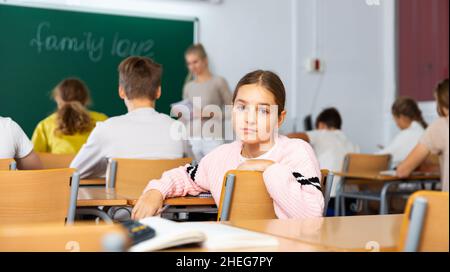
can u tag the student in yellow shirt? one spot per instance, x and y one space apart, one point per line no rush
66 130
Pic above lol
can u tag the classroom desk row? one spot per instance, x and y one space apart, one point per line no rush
103 196
355 233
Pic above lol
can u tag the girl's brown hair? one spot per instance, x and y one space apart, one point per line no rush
408 107
441 93
269 81
72 116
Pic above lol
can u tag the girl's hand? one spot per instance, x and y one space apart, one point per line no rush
149 204
255 165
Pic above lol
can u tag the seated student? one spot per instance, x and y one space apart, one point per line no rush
290 169
409 120
329 142
434 141
66 130
14 144
141 133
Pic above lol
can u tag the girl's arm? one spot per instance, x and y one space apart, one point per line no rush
177 182
293 183
414 159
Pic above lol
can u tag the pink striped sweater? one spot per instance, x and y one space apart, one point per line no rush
293 181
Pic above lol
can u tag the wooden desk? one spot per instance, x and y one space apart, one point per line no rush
97 182
346 233
102 196
99 196
314 234
56 237
376 178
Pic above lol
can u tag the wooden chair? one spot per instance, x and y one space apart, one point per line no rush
131 176
38 196
244 195
55 161
56 238
426 223
360 163
8 164
326 185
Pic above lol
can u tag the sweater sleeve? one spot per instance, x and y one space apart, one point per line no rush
294 183
181 181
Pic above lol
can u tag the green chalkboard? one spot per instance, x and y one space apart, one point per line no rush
39 47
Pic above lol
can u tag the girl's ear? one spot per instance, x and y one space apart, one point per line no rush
281 118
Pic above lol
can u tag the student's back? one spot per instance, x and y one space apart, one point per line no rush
46 140
331 146
66 130
141 133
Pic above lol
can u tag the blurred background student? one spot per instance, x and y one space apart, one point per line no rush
434 141
211 90
329 143
66 130
408 118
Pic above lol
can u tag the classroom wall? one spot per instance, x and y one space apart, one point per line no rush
355 40
356 44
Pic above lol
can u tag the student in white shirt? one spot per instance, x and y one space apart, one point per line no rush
329 142
141 133
14 144
409 120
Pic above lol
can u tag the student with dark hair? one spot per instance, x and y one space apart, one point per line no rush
329 142
142 133
290 169
409 120
66 130
434 140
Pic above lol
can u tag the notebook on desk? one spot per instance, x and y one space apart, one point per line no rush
210 235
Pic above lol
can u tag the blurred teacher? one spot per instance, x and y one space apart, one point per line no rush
210 90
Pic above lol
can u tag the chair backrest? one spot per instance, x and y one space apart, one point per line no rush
7 164
38 196
57 238
131 176
244 196
55 161
365 163
426 222
326 183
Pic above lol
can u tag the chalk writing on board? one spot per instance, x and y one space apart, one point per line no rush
88 43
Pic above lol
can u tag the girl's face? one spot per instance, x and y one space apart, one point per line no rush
442 111
402 121
255 114
196 64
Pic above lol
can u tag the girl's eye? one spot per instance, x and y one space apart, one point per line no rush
240 107
263 111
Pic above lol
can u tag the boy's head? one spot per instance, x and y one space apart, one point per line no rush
139 79
329 119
